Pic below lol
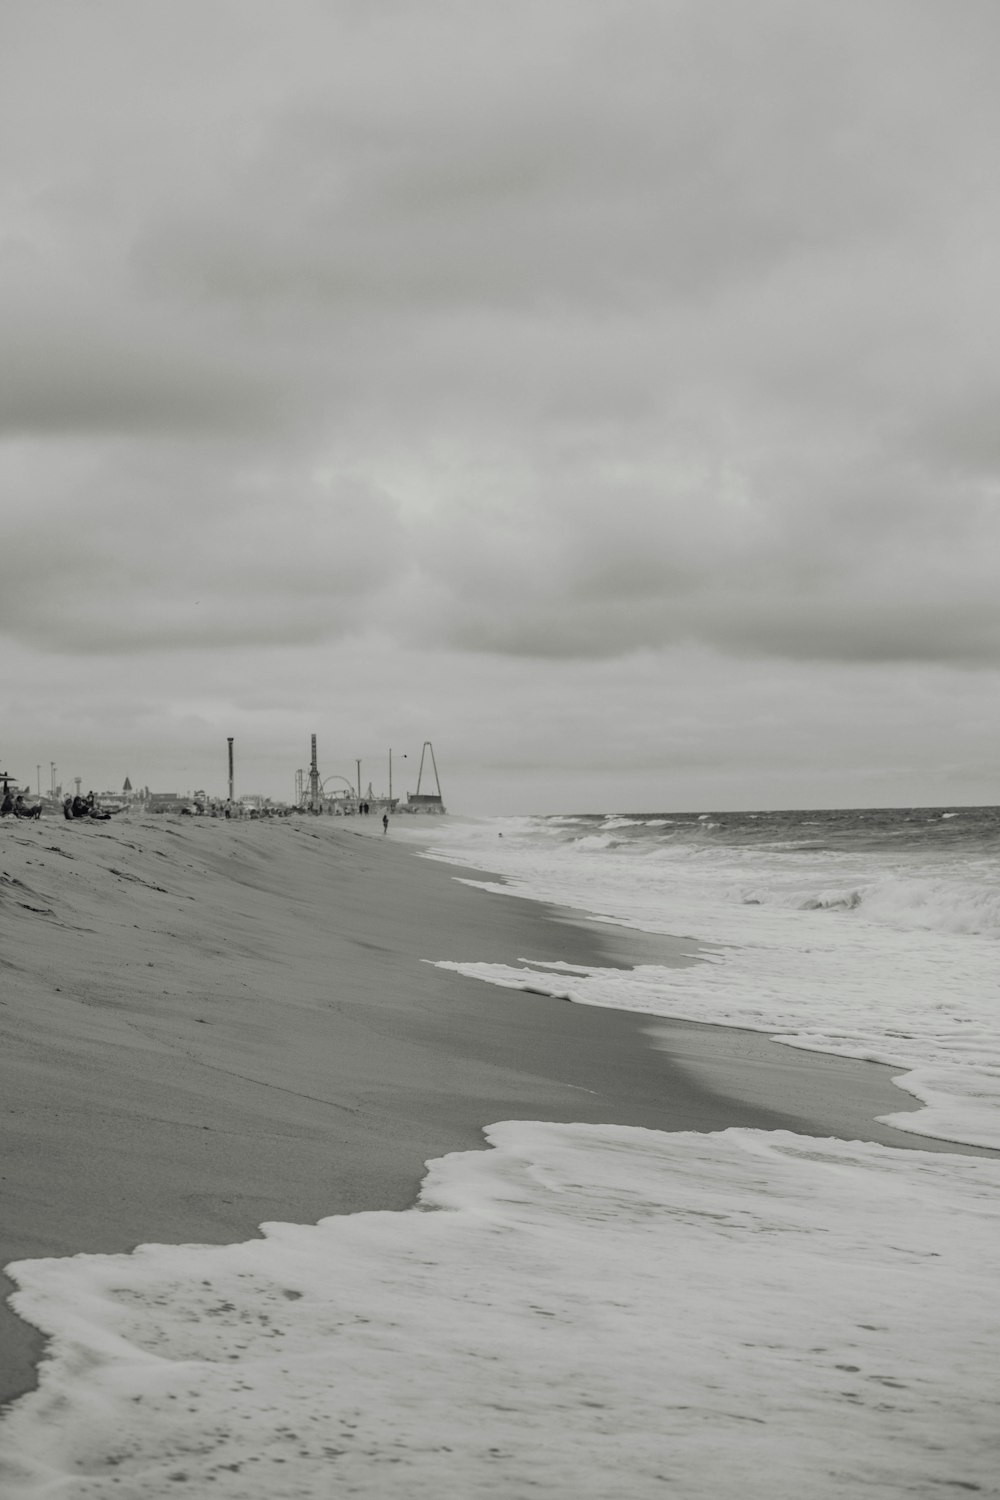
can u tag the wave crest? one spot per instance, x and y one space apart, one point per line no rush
928 905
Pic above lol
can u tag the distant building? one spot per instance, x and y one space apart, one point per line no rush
426 802
111 801
167 802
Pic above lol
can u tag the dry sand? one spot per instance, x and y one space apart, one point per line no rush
210 1024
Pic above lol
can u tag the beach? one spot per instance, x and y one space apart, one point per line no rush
211 1024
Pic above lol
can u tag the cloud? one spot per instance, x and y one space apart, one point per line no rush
872 568
552 333
149 549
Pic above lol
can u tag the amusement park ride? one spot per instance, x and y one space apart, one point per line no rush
311 792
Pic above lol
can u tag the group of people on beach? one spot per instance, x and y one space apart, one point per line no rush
14 806
84 807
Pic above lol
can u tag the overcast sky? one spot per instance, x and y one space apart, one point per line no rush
605 390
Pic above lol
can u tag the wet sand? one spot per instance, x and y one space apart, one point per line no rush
207 1025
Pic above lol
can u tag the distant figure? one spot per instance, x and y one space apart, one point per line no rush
385 822
79 806
67 807
7 805
22 810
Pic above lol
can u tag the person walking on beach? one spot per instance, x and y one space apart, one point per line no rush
385 822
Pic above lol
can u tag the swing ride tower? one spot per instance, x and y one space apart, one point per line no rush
419 801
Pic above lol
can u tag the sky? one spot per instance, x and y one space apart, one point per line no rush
606 391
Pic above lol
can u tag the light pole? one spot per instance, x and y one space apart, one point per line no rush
38 777
52 772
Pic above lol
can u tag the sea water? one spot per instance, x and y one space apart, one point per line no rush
603 1311
872 934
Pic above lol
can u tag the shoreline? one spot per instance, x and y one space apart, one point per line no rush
211 1025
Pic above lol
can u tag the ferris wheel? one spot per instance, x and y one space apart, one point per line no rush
302 787
335 777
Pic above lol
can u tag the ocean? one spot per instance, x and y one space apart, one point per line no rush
870 933
597 1310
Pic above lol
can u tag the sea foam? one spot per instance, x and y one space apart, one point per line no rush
580 1311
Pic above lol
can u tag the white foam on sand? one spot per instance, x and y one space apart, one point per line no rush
591 1311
